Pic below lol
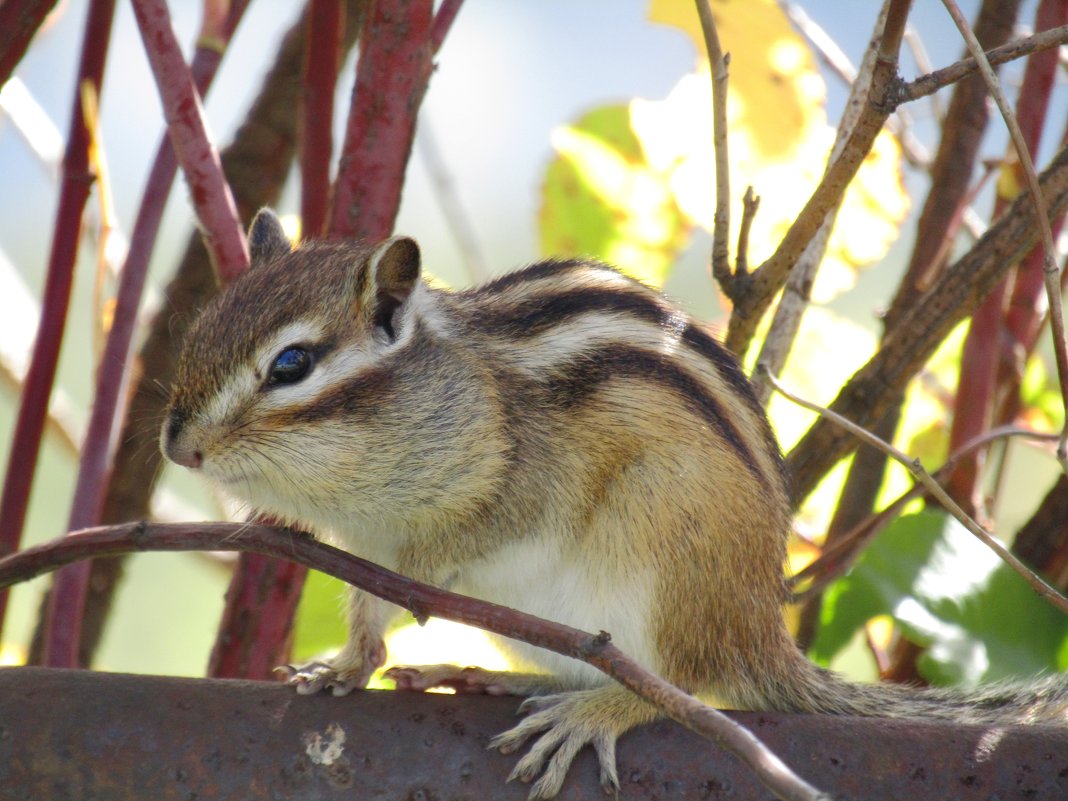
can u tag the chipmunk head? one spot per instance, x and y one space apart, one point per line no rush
287 391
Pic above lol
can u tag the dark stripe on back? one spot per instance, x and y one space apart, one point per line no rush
580 379
543 312
535 272
729 369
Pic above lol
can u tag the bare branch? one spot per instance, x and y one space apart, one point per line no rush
835 58
798 290
922 326
750 205
839 555
929 84
718 63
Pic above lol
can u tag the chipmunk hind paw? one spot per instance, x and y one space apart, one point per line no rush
567 722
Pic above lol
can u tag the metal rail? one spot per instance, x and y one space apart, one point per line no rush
73 735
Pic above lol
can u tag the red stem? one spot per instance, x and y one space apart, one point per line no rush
1027 305
271 586
443 22
196 154
74 193
66 602
19 21
326 26
392 73
987 358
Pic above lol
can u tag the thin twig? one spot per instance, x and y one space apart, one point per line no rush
837 557
924 64
1049 269
721 226
932 486
422 601
929 84
750 205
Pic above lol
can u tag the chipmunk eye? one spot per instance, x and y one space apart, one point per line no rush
290 366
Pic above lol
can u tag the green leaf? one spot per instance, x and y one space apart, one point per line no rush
978 619
320 624
601 198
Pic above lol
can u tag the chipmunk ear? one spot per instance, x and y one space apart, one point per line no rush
394 270
266 238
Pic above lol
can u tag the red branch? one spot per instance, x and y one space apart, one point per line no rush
443 22
272 587
19 21
196 154
325 29
66 602
392 73
987 356
74 192
1027 304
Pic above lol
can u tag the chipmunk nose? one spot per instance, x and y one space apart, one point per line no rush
174 448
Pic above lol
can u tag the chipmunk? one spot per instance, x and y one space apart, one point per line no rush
561 440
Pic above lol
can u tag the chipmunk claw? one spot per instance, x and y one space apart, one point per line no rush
317 676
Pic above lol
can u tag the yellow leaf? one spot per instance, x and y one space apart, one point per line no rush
770 67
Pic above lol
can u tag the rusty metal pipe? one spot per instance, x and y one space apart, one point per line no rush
73 735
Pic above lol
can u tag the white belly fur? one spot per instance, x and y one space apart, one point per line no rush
535 578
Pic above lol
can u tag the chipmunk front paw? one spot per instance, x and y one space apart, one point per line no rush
467 681
348 671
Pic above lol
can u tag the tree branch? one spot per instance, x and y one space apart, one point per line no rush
77 180
786 321
188 132
837 556
929 84
721 226
1050 270
392 74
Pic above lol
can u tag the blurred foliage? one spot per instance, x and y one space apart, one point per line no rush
603 198
629 184
979 620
